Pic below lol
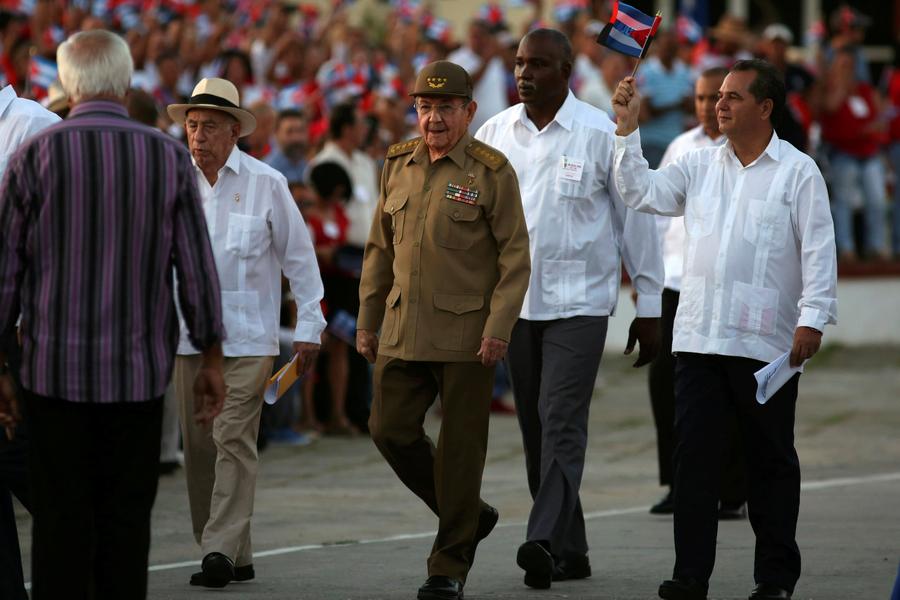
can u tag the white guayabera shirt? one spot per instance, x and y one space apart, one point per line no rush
760 257
256 231
579 229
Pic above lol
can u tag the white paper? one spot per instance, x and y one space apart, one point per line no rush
570 168
773 376
286 373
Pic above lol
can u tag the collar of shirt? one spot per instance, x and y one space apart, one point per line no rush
564 116
92 106
233 163
7 95
726 152
457 154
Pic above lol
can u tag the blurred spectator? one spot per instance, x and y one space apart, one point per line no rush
726 45
893 112
597 71
291 145
848 31
854 130
141 107
259 143
667 87
798 82
481 58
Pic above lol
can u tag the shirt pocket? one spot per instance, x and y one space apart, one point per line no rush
459 225
564 283
390 328
692 301
767 223
242 316
396 207
576 190
753 309
458 321
700 216
248 236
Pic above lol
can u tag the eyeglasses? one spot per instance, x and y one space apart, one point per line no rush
444 110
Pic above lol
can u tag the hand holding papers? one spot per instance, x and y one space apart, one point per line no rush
773 376
281 381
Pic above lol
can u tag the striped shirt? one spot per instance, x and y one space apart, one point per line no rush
95 212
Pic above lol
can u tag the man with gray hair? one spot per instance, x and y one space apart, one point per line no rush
96 212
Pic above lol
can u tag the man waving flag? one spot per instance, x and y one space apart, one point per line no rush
629 31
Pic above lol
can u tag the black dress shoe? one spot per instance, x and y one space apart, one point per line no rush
732 511
678 589
665 506
245 573
486 522
766 591
574 567
217 570
537 562
441 587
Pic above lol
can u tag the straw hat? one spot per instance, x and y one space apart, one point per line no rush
215 94
730 29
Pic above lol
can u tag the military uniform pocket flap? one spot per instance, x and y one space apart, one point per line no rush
393 297
458 303
459 211
395 203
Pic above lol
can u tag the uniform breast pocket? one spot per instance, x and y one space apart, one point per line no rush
459 225
395 206
248 236
767 223
700 216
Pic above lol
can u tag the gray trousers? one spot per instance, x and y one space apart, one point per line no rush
553 366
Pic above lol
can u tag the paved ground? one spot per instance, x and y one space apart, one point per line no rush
333 523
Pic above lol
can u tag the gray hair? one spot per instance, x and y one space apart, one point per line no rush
95 63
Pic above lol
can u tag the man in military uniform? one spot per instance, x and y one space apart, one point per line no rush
444 276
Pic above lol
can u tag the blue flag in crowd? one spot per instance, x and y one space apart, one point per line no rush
629 31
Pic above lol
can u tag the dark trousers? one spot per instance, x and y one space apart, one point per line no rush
661 379
94 470
446 476
553 366
705 387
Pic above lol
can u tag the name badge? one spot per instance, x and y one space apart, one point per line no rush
570 169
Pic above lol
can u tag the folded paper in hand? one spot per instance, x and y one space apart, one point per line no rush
281 381
773 376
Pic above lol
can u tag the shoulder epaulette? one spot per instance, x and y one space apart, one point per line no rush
481 152
402 148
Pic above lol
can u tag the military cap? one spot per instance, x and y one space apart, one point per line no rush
443 78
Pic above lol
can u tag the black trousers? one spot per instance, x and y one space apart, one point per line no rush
661 380
705 387
94 471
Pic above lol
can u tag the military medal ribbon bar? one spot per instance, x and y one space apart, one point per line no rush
460 193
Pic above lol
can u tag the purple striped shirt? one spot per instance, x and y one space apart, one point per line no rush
94 214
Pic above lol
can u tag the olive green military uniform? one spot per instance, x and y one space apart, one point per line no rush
446 264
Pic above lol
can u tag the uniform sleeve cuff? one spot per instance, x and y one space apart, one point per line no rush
648 305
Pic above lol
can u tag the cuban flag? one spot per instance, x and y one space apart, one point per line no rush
41 73
629 31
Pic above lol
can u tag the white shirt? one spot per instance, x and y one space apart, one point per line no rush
19 120
760 256
579 229
364 176
256 231
490 91
671 229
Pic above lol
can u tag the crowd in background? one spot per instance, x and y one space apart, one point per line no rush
331 91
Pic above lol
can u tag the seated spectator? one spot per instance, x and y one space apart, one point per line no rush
854 131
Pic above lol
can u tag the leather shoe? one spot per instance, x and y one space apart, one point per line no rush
766 591
665 506
574 567
217 570
441 587
679 589
486 522
537 562
245 573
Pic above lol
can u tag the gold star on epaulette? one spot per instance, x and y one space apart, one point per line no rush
402 148
494 159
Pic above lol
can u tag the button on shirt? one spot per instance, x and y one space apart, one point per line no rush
256 232
578 226
671 229
760 256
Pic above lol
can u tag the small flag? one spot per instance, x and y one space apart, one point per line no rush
629 31
41 73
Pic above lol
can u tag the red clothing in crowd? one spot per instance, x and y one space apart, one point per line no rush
846 128
328 234
894 98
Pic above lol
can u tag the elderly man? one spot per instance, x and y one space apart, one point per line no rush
445 271
759 280
96 211
562 150
256 232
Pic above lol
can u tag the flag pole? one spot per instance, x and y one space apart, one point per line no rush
646 44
